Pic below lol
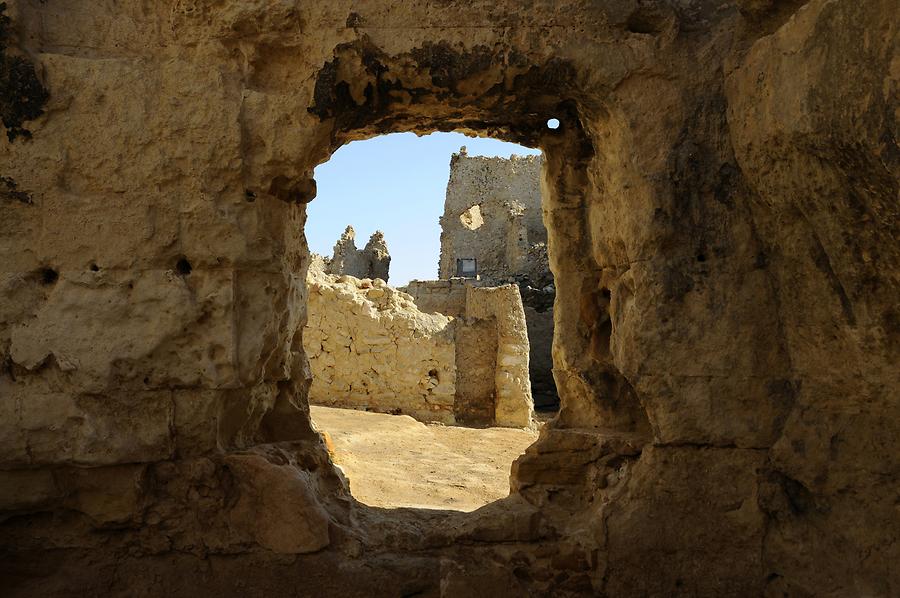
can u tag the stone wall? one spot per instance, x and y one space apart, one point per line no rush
372 261
721 207
446 297
492 212
513 404
370 347
476 359
540 357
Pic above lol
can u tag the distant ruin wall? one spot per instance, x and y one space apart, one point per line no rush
513 404
372 261
492 213
370 347
446 297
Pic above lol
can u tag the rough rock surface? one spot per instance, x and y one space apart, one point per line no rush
502 306
492 213
722 216
370 347
372 261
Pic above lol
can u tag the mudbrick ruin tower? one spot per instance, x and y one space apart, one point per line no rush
492 214
493 229
721 203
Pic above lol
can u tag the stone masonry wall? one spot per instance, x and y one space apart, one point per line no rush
492 212
370 347
721 207
372 261
476 359
447 297
513 405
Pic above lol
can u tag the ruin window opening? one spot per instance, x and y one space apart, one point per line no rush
472 218
467 267
447 349
553 123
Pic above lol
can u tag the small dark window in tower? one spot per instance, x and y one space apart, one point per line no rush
466 267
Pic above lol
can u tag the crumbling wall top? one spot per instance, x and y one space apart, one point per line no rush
492 213
373 261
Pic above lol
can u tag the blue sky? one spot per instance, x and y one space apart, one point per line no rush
394 183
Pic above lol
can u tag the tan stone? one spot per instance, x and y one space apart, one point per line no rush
427 365
372 261
277 507
397 355
492 213
720 200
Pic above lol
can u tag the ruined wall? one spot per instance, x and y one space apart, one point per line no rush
370 348
476 359
471 302
492 212
446 297
372 261
721 207
513 405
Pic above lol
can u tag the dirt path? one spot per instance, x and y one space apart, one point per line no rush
396 461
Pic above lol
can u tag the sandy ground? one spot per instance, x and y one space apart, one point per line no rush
396 461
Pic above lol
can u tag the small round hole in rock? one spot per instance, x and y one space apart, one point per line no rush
183 266
249 195
553 123
94 267
49 276
701 257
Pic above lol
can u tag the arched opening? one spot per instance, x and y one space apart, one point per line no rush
425 377
721 209
362 93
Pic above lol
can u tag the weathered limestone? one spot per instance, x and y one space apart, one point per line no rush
371 348
721 207
502 307
372 261
513 406
540 355
442 296
492 213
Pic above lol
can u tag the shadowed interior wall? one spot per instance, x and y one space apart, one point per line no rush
721 207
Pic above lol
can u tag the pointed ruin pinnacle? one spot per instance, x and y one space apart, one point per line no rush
377 242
